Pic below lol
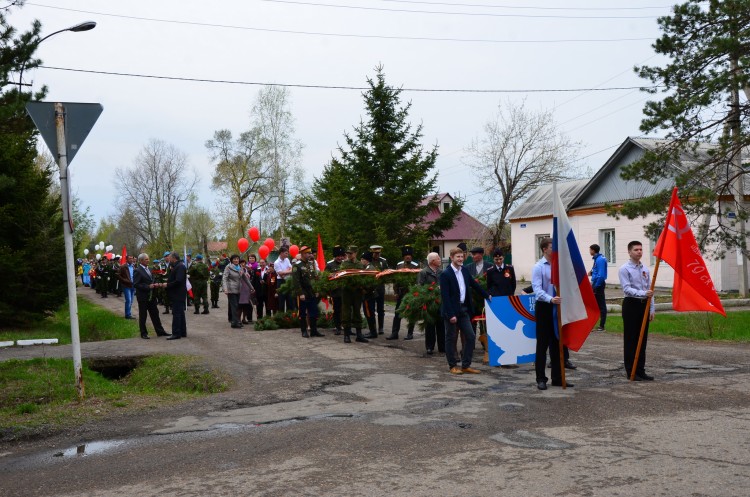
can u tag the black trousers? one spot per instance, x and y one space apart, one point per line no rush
179 325
380 306
602 302
435 331
336 303
632 318
546 339
148 307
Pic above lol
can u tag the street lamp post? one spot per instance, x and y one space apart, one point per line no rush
84 26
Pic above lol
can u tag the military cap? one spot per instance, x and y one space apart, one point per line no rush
498 252
351 249
304 249
477 250
367 256
376 248
462 246
338 250
166 253
407 250
199 257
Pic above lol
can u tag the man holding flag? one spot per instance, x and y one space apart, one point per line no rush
635 281
565 301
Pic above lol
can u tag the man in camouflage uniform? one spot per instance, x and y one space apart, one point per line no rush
199 275
333 266
380 264
303 275
215 276
351 300
408 253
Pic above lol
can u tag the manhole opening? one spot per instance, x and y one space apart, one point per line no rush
114 368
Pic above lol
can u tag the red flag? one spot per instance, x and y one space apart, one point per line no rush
322 263
124 253
693 288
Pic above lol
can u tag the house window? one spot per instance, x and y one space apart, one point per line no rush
607 242
446 206
538 239
651 252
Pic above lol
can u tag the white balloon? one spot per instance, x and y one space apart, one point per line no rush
98 256
85 251
96 247
101 244
110 248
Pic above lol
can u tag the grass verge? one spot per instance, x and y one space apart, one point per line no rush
95 324
695 325
38 396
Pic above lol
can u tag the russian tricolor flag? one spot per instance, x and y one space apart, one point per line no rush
578 307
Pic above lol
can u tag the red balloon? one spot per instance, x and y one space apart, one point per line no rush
110 255
243 244
293 251
254 234
269 243
263 251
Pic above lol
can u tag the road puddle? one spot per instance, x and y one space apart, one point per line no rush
90 448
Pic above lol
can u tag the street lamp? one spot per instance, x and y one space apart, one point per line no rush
84 26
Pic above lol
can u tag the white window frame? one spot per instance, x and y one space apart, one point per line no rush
537 241
608 244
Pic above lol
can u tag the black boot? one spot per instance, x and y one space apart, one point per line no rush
392 336
205 310
166 310
371 326
360 337
197 310
314 329
347 335
337 332
303 327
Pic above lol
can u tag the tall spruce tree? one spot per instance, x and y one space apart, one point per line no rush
374 191
703 116
31 238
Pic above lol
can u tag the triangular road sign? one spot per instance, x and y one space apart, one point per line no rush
79 119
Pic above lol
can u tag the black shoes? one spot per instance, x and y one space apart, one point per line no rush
430 352
567 384
541 385
205 311
163 334
409 336
174 337
304 334
643 377
129 317
197 311
392 336
316 333
337 332
372 334
381 332
570 365
361 339
237 326
347 339
144 336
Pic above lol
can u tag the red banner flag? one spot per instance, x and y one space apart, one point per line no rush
693 288
124 253
322 263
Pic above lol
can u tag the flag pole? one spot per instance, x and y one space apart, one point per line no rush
643 323
560 340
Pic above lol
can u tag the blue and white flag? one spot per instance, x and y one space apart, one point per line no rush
511 329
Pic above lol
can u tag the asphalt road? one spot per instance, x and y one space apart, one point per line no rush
317 417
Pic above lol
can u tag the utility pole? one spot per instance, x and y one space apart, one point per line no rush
739 182
62 163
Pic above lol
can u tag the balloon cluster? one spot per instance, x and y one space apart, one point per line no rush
254 233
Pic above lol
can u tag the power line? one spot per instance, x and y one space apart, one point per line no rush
452 4
440 12
338 35
336 87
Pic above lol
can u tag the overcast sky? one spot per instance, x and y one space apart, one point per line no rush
510 45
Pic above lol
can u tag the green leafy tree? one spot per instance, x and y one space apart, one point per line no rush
703 117
375 191
30 220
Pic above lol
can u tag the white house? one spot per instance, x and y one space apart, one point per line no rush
585 202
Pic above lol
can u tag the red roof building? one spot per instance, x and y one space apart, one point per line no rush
466 229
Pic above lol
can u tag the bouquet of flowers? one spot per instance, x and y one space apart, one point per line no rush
421 304
266 323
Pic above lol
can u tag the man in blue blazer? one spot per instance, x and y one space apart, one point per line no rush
457 310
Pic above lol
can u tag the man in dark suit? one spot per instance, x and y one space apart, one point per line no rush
144 286
177 292
477 267
457 310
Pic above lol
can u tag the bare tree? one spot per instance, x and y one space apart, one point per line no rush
520 151
241 177
197 225
281 152
155 188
